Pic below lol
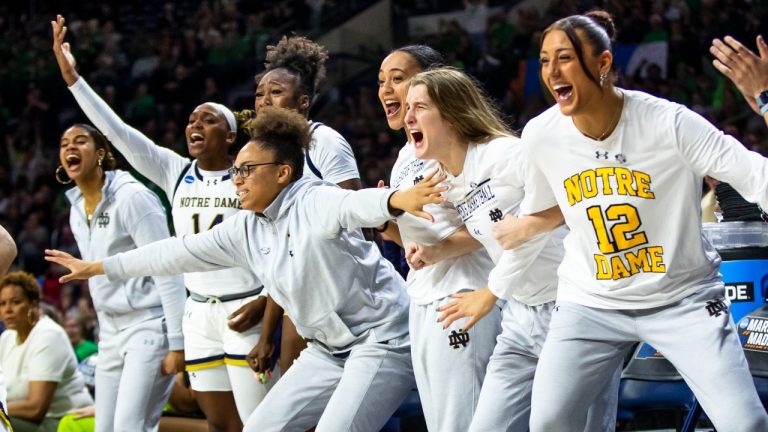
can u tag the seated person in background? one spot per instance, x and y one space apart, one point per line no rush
75 328
41 370
181 414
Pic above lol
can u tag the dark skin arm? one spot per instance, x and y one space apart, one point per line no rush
258 358
248 315
36 405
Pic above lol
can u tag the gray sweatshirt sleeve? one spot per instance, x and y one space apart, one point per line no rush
335 208
146 223
223 246
159 164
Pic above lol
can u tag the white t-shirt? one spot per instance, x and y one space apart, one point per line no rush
330 156
46 355
440 280
632 200
490 186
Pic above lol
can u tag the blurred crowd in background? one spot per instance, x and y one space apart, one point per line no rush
155 62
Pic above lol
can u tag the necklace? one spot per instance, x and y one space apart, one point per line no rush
614 121
91 209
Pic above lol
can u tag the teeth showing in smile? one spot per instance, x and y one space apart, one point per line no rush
72 157
196 137
393 107
240 195
563 91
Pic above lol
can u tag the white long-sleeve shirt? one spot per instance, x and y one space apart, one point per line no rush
490 186
128 216
449 276
315 263
200 199
632 200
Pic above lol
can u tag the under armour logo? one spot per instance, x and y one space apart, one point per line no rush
418 179
599 154
495 215
290 252
215 182
716 307
621 158
458 338
103 220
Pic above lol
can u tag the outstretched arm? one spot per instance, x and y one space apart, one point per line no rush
337 209
223 246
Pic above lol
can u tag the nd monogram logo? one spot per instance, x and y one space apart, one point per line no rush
716 307
495 215
458 338
418 179
103 220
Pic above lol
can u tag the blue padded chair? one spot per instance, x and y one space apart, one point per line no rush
409 409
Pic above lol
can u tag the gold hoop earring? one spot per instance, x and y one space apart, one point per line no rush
30 319
59 170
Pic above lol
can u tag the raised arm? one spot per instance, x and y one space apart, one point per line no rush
159 164
747 70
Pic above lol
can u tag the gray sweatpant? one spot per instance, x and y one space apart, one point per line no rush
131 387
356 393
586 344
505 400
450 366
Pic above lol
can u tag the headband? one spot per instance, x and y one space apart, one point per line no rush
227 113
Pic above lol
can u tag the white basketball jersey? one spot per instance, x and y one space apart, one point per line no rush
201 201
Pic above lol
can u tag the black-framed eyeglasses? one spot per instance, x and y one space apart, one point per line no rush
245 170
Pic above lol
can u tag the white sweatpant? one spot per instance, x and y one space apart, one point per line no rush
585 344
130 387
358 393
505 400
449 376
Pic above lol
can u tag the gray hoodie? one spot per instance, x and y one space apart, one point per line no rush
128 216
306 248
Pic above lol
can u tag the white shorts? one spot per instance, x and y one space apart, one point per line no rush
210 345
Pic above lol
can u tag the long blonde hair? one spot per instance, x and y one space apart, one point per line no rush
463 103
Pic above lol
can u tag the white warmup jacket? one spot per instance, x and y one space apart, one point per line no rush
313 260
